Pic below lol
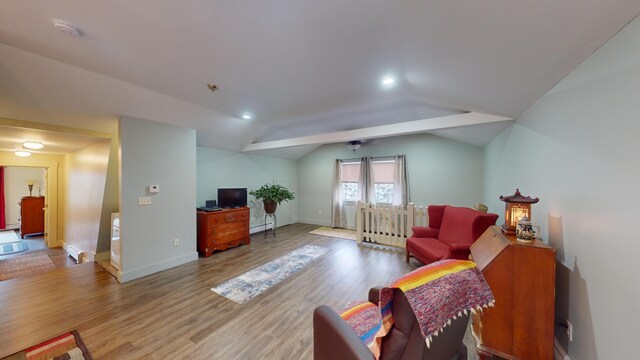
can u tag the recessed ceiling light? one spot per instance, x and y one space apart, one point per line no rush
23 153
33 145
388 81
67 28
247 116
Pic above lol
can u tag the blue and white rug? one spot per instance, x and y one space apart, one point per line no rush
10 243
244 287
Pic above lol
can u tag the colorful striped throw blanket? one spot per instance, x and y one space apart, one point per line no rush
438 293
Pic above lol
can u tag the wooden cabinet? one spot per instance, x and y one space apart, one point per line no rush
220 230
522 278
31 215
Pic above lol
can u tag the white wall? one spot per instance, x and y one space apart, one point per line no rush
228 169
441 171
577 149
85 172
156 153
15 187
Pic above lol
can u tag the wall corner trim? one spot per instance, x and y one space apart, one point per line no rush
157 267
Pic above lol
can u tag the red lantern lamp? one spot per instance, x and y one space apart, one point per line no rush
516 206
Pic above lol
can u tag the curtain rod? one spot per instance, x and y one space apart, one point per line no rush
371 157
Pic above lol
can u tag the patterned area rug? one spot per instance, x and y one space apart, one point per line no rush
336 233
27 264
246 286
68 346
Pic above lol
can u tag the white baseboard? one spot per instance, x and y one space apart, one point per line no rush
559 353
260 228
125 276
79 255
101 256
314 222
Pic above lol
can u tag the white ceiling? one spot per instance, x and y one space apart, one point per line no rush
55 142
301 67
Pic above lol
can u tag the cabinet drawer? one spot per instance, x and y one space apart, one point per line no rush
228 228
223 218
227 236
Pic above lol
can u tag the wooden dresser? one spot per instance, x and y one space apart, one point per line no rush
31 215
522 278
220 230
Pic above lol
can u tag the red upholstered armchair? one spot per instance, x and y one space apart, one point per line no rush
451 232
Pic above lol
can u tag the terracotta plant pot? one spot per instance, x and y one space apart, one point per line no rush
270 207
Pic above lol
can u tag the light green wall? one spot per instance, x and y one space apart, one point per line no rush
228 169
441 171
577 149
164 155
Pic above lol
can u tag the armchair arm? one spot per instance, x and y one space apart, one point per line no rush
374 295
424 232
333 339
456 248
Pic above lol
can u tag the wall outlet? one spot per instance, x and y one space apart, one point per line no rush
144 200
319 212
569 331
176 242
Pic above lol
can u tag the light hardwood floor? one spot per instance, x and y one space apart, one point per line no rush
174 314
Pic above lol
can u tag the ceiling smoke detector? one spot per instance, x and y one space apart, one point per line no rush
66 28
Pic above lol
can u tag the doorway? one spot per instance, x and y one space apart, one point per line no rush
24 211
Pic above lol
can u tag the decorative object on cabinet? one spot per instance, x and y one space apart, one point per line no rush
30 184
522 278
516 206
525 231
31 215
221 230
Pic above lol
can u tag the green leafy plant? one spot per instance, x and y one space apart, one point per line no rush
273 193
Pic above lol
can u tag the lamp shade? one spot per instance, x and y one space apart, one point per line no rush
516 207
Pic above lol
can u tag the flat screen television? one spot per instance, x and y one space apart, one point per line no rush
235 197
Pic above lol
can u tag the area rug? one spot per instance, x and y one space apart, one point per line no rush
335 232
14 247
8 236
27 264
246 286
68 346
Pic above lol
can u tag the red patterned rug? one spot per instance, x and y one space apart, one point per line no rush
68 346
27 264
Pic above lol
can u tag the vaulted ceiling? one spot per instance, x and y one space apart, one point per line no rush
302 69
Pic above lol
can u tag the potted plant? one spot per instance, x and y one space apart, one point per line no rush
272 195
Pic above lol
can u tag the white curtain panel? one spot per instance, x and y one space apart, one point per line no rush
366 186
338 218
400 181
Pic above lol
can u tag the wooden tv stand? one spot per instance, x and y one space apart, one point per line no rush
220 230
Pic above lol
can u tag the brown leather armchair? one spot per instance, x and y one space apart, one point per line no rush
333 339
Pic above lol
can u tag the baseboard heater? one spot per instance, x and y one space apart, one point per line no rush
75 254
260 228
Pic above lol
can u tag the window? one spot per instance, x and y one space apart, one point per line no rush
350 175
383 171
383 181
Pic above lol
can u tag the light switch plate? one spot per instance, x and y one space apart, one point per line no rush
144 200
